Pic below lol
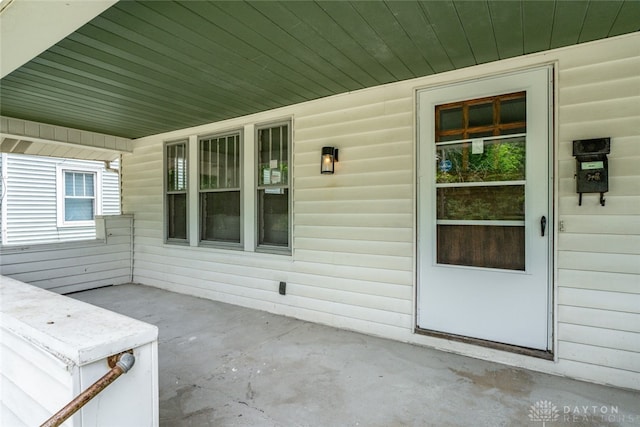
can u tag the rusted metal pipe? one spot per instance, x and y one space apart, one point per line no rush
124 364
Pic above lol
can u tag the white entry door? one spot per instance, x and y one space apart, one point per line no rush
484 217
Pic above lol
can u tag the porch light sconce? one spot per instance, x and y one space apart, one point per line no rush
328 160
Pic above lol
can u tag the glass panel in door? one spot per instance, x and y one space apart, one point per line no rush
480 182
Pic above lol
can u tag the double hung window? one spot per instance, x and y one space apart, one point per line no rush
79 198
176 191
234 200
220 189
273 207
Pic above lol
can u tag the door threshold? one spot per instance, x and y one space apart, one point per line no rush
532 352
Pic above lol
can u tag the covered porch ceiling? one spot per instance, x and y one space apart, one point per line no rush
145 67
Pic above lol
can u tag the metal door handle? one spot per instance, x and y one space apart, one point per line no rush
543 225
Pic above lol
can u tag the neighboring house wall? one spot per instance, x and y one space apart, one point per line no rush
78 265
354 251
33 198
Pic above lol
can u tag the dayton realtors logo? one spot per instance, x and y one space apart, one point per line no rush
546 412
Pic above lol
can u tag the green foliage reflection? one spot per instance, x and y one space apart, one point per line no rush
499 160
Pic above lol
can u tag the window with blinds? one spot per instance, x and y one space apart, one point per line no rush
79 196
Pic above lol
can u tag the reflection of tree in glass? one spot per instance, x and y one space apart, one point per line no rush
481 203
499 161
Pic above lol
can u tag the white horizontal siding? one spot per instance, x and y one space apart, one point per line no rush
43 367
73 266
3 183
353 239
353 261
34 397
599 249
31 199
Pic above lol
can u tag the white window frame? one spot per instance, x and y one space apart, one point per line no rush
61 169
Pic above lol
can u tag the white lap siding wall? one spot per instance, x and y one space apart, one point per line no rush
354 254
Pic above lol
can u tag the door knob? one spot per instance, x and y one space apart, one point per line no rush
543 225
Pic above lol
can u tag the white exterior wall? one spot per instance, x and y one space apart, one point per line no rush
30 202
74 266
3 192
354 252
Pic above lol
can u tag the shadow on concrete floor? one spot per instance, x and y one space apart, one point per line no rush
223 365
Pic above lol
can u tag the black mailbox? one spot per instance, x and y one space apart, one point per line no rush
592 171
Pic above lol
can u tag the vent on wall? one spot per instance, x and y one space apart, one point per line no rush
12 145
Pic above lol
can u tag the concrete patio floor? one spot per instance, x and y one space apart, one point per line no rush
222 365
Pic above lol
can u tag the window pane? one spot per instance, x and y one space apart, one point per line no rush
481 203
177 216
78 183
453 137
451 118
490 160
220 163
205 164
68 184
484 134
176 167
273 168
220 213
514 110
482 246
514 131
273 223
481 115
78 209
88 184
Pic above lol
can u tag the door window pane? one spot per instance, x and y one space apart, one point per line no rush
481 115
451 118
513 110
481 203
489 160
481 246
490 116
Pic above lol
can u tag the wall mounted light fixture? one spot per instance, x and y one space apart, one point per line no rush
329 157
